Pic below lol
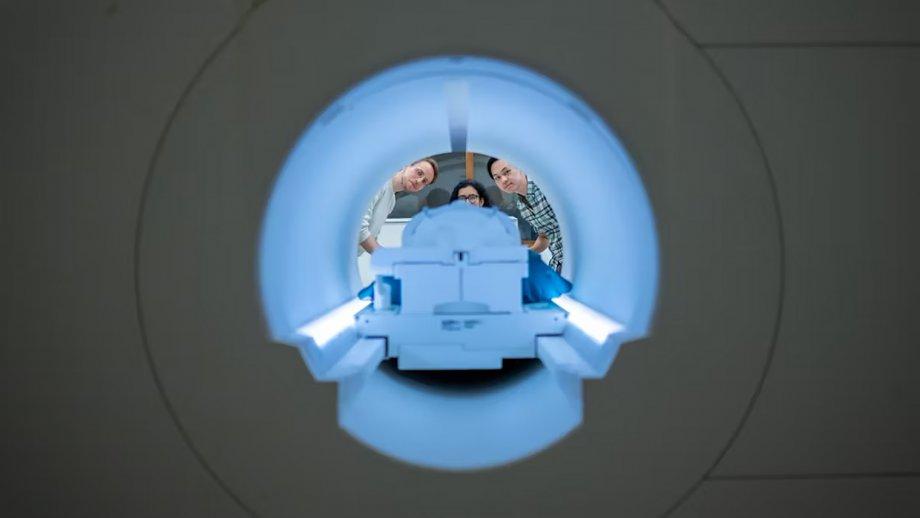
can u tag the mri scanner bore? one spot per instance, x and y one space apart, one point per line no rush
458 303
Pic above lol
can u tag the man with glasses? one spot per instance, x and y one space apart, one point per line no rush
413 178
534 208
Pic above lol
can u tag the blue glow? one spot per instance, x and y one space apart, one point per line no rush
307 252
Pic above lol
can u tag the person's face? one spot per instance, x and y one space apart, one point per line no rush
469 194
507 177
417 176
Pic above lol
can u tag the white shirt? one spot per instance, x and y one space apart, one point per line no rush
376 214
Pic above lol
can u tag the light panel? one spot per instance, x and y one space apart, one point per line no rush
328 326
594 324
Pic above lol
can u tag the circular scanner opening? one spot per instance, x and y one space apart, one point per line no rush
458 420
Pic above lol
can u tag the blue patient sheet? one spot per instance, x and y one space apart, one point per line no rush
542 283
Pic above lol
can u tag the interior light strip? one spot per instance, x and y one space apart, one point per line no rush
596 325
326 327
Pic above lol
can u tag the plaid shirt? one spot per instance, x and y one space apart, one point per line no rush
536 210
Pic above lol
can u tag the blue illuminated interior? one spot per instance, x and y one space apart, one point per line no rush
424 108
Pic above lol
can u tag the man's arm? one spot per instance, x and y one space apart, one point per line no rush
540 244
370 245
365 239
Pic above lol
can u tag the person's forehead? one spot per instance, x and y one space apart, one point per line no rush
502 165
468 189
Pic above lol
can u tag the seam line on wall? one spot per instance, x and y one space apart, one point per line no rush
810 45
814 476
771 350
138 233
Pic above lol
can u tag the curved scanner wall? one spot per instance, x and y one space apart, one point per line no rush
435 106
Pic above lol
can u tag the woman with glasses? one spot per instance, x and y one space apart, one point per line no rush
471 192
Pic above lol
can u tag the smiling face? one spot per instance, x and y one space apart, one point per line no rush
416 176
508 178
470 195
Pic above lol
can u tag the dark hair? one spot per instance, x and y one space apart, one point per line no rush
434 167
489 167
455 195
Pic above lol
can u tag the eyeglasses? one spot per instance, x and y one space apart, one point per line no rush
472 198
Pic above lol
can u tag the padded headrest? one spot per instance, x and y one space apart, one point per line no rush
461 226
